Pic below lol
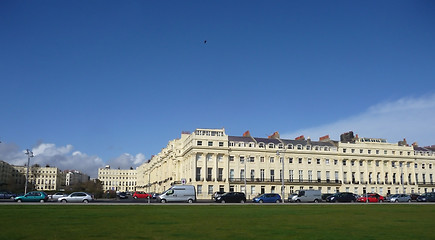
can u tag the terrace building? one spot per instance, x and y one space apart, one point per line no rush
43 178
213 161
123 180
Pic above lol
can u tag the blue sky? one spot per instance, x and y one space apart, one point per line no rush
88 83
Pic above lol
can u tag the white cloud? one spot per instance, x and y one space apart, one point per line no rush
49 154
410 118
127 160
64 158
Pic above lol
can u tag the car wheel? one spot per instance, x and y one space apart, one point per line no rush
135 197
277 201
63 201
409 200
298 201
261 201
242 201
163 201
316 200
12 198
222 201
86 201
396 200
352 201
41 201
190 201
19 200
381 200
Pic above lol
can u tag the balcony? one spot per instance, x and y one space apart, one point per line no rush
426 183
286 181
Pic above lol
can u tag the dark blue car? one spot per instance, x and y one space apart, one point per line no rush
268 198
7 195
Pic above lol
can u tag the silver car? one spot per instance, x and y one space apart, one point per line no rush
400 198
56 196
77 197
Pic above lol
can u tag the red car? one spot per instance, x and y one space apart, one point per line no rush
139 194
372 197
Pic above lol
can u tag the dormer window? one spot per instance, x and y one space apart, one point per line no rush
290 146
271 145
280 146
299 147
308 147
261 145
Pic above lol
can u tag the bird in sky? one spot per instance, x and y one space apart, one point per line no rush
205 41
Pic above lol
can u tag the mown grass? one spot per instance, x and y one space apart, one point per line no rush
338 221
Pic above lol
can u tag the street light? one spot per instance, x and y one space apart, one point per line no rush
29 155
282 173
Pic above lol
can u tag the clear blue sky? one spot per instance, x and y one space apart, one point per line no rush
107 78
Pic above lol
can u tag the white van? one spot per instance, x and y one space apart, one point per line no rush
178 193
308 196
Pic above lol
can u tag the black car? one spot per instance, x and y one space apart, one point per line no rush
341 197
7 195
426 197
326 195
231 197
414 196
122 195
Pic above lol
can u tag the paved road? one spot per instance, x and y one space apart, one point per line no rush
131 201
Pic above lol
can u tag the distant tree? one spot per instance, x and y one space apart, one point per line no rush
92 186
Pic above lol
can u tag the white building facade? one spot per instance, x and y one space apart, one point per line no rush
44 178
213 161
123 180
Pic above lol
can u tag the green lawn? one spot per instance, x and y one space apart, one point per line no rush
287 221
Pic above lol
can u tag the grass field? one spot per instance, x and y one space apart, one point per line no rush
335 221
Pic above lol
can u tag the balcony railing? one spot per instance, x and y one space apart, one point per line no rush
287 181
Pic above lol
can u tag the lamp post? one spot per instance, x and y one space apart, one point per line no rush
29 155
282 173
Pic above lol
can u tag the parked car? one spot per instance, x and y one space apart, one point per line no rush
7 195
35 196
326 195
399 198
231 197
268 198
371 197
77 197
216 194
341 197
426 197
140 194
54 197
178 193
155 195
122 195
414 196
291 196
308 196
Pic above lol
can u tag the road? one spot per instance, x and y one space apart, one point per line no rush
131 201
